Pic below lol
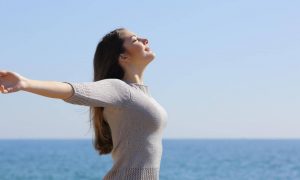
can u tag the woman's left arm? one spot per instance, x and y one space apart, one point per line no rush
11 82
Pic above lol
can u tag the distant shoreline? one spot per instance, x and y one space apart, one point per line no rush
165 139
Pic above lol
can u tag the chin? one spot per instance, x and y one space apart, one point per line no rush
152 55
149 56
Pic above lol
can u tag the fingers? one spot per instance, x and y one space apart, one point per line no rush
10 90
2 88
5 91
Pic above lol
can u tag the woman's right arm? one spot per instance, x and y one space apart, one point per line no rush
13 82
102 93
52 89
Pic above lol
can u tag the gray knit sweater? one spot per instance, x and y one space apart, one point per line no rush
136 120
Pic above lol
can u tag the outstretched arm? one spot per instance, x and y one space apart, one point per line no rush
12 82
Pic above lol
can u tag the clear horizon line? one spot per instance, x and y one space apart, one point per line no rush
225 138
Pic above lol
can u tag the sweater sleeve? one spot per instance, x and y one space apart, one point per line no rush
102 93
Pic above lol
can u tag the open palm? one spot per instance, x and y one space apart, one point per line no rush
11 81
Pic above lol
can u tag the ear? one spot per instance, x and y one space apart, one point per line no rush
123 57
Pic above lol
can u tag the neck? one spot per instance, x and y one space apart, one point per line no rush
134 76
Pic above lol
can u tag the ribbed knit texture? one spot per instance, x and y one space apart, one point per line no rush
136 120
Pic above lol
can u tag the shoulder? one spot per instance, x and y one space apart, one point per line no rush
117 88
113 81
114 84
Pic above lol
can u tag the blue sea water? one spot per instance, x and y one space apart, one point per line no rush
188 159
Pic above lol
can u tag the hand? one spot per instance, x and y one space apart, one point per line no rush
11 82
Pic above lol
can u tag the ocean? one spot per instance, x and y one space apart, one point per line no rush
185 159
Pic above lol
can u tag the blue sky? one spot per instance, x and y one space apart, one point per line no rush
223 69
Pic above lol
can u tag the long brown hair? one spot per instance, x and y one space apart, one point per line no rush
106 66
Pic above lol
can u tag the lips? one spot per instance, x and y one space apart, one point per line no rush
147 49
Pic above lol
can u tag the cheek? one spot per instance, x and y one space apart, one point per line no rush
137 51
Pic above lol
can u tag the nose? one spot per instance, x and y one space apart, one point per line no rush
145 41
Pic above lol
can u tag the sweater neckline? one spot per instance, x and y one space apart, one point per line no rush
139 84
141 87
135 83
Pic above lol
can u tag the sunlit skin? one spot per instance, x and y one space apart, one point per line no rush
134 60
137 56
11 81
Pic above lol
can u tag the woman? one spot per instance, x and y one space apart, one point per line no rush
128 122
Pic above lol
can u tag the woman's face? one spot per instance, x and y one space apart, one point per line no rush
137 48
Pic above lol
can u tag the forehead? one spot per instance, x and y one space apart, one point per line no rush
128 35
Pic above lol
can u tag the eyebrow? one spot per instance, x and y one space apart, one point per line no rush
132 36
